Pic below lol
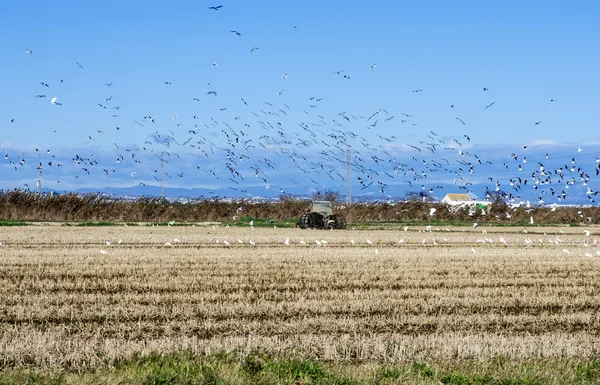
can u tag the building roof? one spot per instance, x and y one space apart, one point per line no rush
458 197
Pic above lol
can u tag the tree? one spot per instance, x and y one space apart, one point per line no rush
327 195
421 196
285 197
493 195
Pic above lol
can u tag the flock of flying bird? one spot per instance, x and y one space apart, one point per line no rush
228 152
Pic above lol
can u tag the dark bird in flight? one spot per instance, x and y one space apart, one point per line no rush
80 66
489 105
460 120
236 33
216 8
211 93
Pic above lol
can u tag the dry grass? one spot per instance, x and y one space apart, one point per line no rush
63 304
29 206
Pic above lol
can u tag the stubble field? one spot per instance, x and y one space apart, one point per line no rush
496 301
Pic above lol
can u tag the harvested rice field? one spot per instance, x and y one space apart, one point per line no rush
409 305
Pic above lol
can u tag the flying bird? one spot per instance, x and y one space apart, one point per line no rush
236 33
216 8
489 105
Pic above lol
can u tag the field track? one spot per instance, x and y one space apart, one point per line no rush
70 299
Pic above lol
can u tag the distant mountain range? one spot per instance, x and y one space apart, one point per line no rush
576 195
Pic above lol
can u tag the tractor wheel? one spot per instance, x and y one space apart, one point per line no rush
337 221
330 222
318 221
311 221
304 221
340 221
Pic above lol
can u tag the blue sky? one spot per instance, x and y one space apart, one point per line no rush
524 53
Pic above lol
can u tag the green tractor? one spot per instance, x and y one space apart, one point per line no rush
321 216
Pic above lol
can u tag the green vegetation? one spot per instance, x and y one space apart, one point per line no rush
98 224
262 222
260 367
11 222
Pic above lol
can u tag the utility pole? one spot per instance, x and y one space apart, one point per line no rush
162 175
39 181
348 176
